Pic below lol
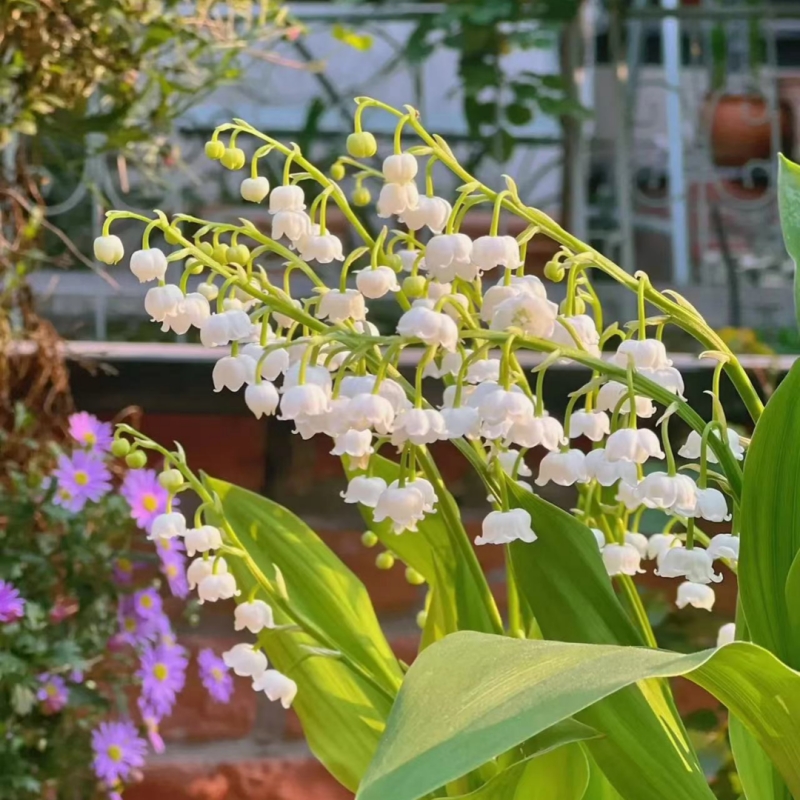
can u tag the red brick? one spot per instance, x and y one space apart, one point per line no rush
265 779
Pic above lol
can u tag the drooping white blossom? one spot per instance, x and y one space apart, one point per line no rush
149 265
245 660
276 686
254 615
697 595
504 527
365 490
621 559
564 468
633 444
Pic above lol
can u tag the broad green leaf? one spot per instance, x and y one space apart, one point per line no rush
442 553
474 696
645 753
320 587
560 774
756 772
599 787
770 522
791 592
789 206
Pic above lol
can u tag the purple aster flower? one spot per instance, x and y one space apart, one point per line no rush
90 433
162 671
123 570
80 478
215 675
12 605
145 495
137 631
147 604
52 693
173 565
118 750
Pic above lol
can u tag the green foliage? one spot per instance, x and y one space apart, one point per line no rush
789 205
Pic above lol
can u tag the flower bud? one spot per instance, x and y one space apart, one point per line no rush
108 249
240 254
369 539
171 480
220 253
136 460
579 306
554 271
193 266
254 190
206 247
120 448
215 149
385 560
208 290
414 286
233 158
413 577
361 145
171 234
337 171
422 619
361 196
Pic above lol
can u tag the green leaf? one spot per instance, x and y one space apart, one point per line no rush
756 773
474 696
562 578
770 522
789 206
791 593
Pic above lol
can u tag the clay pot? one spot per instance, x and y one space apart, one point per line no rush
741 129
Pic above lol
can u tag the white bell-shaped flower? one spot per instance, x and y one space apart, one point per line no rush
418 426
396 198
371 412
449 364
357 445
482 370
564 468
204 539
674 493
610 395
711 505
306 400
323 248
599 537
489 252
276 686
694 441
245 661
254 190
535 316
645 354
449 256
400 168
149 265
315 373
495 295
621 559
408 258
334 421
461 421
214 587
585 329
168 526
659 543
501 409
432 212
533 431
633 444
378 282
294 225
161 302
504 527
425 488
513 464
287 198
696 595
192 311
594 425
255 615
273 364
695 565
209 291
364 490
201 568
626 492
724 545
432 327
108 249
340 306
637 540
606 472
726 634
403 505
222 329
262 399
233 372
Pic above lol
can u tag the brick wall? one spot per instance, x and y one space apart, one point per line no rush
252 749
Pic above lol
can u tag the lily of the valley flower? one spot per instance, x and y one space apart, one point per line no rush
364 490
430 326
564 468
504 527
697 595
204 539
262 399
375 283
276 686
695 565
149 265
724 545
633 444
254 615
621 559
404 506
594 425
233 372
245 661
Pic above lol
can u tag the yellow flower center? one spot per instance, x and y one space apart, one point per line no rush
160 672
124 565
172 571
51 690
115 752
145 601
64 494
81 477
89 438
130 624
150 502
217 673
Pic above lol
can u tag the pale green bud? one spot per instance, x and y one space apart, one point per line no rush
120 448
136 460
233 158
171 480
384 560
337 171
215 150
369 539
362 145
414 286
413 577
361 196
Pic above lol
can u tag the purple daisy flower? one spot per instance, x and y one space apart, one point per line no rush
173 565
80 478
118 750
52 693
12 605
145 495
90 433
123 570
136 630
162 671
147 604
215 675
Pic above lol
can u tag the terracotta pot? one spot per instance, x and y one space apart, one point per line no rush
740 128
